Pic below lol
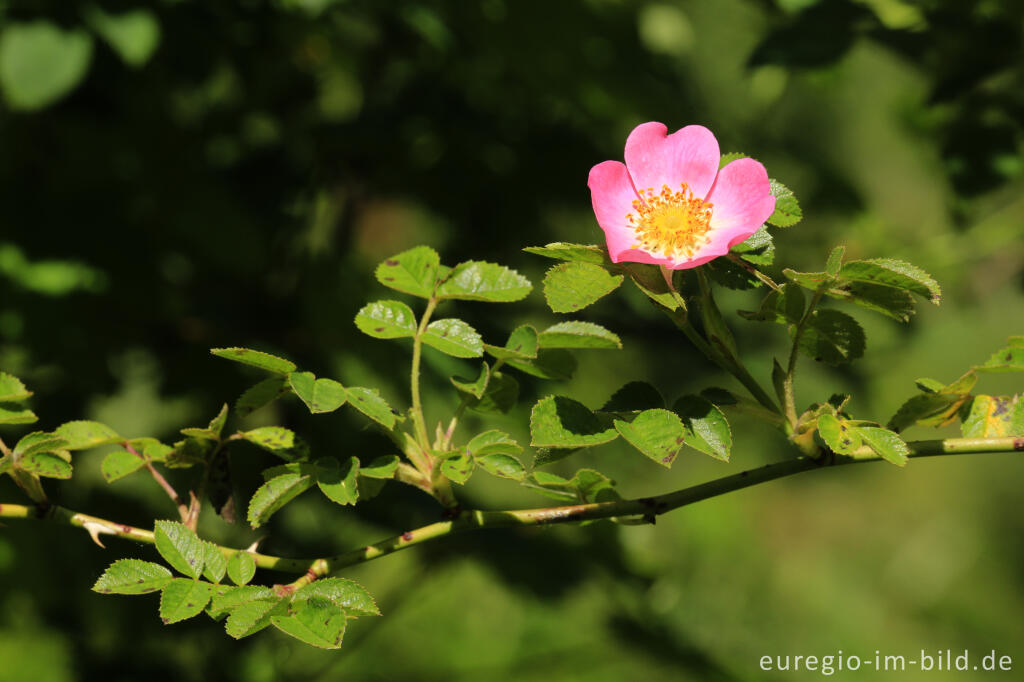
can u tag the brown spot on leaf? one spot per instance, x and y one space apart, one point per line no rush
668 458
406 536
391 262
378 329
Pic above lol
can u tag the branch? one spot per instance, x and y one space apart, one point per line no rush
646 508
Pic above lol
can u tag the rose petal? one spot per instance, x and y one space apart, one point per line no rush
612 194
742 201
688 155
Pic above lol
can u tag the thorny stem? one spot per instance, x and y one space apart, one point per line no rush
183 509
789 397
731 365
647 508
764 278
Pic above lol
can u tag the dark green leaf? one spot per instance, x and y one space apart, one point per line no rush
584 253
38 441
569 287
212 431
835 260
262 394
233 597
893 273
500 396
215 563
253 616
635 396
657 433
131 576
338 481
707 429
45 464
558 422
758 248
832 337
593 486
278 440
550 363
343 593
787 209
413 272
381 467
387 320
493 442
522 344
649 279
255 358
475 387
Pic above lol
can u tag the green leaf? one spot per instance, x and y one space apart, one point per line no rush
835 260
477 387
180 547
131 576
707 429
45 464
370 403
885 443
262 394
502 466
255 358
839 435
133 35
731 275
457 466
521 344
550 363
558 422
500 396
387 320
320 395
729 157
994 417
82 435
658 434
12 390
575 334
583 253
215 564
651 282
38 441
593 486
338 481
926 409
787 209
241 568
119 463
278 440
343 593
381 467
454 337
810 280
1009 359
832 337
493 442
183 598
892 273
553 486
40 63
213 430
895 303
233 597
253 616
12 413
317 622
569 287
480 281
412 272
276 493
758 248
634 397
189 452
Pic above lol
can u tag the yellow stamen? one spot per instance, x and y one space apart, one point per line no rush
670 224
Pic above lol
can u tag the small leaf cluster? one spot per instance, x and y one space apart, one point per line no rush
315 613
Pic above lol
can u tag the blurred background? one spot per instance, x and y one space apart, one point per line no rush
178 175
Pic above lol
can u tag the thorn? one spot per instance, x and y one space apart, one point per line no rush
255 545
96 529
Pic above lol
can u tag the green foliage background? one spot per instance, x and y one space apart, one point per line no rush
181 175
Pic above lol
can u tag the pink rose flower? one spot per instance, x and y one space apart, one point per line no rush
670 205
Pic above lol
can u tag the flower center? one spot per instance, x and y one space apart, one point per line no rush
670 224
